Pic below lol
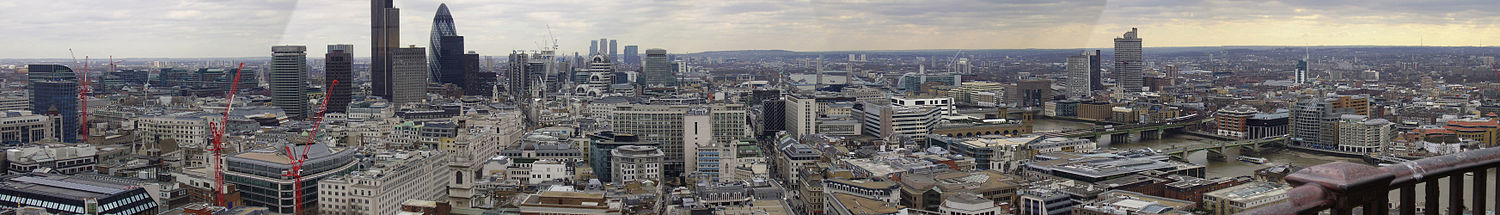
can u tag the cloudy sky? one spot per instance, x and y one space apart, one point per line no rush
238 28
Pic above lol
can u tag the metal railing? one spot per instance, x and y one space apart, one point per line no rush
1340 187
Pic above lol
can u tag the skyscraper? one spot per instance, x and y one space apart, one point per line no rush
54 92
409 74
603 46
450 60
1301 76
1128 62
385 34
1080 75
593 47
441 54
289 80
1096 74
339 66
632 55
614 54
518 82
658 69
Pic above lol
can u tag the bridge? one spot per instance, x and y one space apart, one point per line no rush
1217 147
1129 133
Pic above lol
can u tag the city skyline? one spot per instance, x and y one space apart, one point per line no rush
183 28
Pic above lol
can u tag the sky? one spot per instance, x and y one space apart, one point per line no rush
246 28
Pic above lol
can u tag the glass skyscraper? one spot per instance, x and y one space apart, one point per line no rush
385 34
442 51
54 91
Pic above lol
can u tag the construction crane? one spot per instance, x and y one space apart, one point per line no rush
218 139
83 89
298 159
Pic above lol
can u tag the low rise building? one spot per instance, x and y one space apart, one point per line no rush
636 163
389 179
1244 197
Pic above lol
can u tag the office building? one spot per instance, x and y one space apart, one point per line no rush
409 70
258 173
391 177
1099 167
913 82
614 52
452 65
59 159
1128 62
658 69
1126 202
559 200
1233 121
18 102
887 121
77 194
1030 93
593 47
444 52
477 82
20 127
632 55
385 35
1262 125
974 93
801 114
1300 77
636 163
1081 76
971 204
1314 121
665 124
1244 197
339 67
54 92
928 190
1361 135
288 79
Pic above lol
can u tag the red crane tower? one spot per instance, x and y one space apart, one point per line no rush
218 139
298 159
83 89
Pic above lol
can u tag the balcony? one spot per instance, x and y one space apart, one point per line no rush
1341 187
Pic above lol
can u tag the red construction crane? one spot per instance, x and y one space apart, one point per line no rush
83 100
218 139
296 171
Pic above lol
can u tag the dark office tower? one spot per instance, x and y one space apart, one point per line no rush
614 54
632 55
439 53
339 67
603 46
658 69
1128 62
289 80
385 34
451 60
54 92
593 47
477 82
1095 71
